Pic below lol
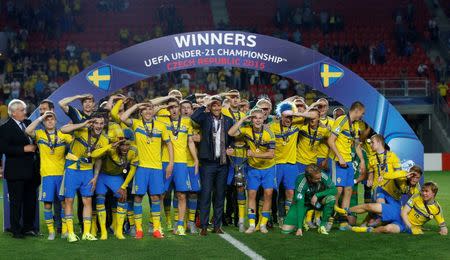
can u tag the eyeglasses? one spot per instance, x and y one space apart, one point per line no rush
300 105
265 108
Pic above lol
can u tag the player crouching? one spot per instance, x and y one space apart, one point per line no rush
313 190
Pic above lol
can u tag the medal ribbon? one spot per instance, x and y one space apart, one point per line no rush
52 145
148 133
260 138
92 147
175 132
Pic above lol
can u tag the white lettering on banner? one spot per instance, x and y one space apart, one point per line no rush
156 60
250 54
186 54
198 39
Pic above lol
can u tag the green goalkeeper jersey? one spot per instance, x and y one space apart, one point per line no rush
305 190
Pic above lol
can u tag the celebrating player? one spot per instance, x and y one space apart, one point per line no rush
88 145
313 190
115 164
399 183
237 157
261 172
194 176
52 147
420 209
150 135
344 136
87 103
180 130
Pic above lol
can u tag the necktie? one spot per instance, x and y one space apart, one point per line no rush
22 126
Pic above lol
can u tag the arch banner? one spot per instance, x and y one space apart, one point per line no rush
250 51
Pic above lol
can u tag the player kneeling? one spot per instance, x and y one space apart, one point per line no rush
313 190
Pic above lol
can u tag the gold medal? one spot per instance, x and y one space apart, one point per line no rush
149 140
124 171
88 154
52 151
257 150
431 216
175 137
284 143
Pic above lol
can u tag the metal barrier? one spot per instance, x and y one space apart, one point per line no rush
410 87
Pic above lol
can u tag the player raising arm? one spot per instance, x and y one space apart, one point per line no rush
149 136
88 145
52 147
261 172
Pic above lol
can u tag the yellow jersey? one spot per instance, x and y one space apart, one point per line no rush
298 121
379 164
323 148
346 137
190 159
113 164
285 142
52 153
114 131
422 212
179 132
259 143
239 149
149 142
308 143
397 185
163 113
84 149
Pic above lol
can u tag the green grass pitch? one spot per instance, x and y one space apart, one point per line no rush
338 245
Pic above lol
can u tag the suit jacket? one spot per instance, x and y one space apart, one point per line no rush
205 121
19 166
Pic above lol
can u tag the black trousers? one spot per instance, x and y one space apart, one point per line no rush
22 205
213 178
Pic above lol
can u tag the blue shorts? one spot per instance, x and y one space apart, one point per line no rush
287 173
344 177
105 182
179 177
51 186
194 179
148 180
265 178
320 160
391 214
382 194
238 161
301 168
78 180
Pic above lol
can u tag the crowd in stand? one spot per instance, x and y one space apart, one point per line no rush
34 74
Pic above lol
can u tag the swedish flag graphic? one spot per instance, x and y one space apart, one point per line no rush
330 74
100 77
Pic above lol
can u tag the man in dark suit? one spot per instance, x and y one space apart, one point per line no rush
19 170
213 160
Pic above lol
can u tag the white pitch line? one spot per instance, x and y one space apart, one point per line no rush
243 248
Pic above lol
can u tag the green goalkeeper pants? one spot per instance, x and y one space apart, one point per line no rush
298 211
